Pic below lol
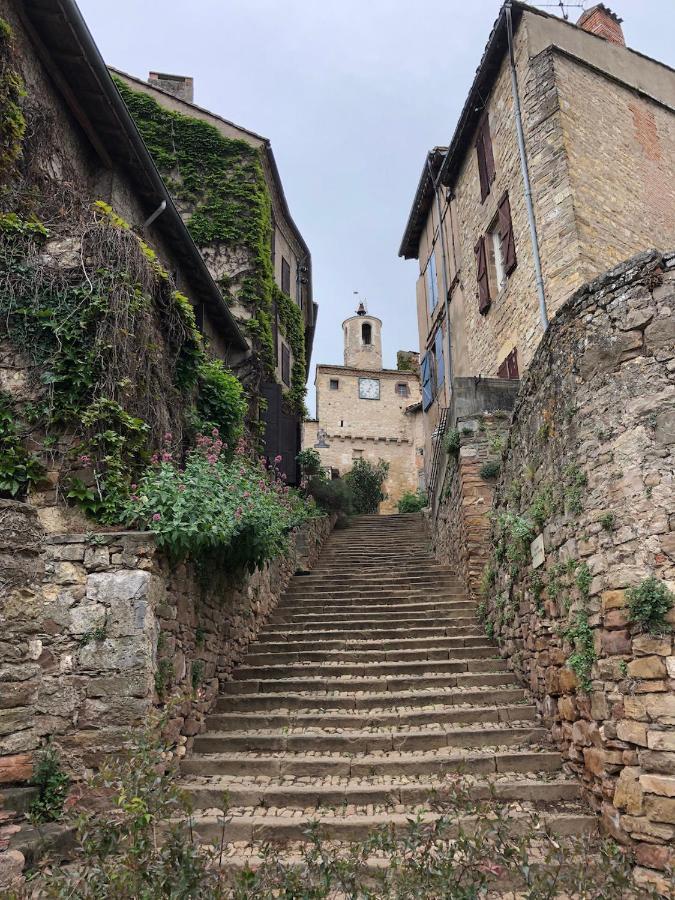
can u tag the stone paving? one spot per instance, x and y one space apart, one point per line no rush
369 692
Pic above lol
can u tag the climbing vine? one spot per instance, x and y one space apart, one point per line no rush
12 119
292 325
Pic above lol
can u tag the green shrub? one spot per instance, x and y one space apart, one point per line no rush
232 510
221 402
490 469
649 603
607 521
334 496
18 468
310 464
452 442
412 502
52 784
365 481
580 635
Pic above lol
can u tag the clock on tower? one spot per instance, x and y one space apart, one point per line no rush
369 388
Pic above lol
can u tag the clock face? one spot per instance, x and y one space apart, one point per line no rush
369 388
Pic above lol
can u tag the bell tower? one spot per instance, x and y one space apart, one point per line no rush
363 341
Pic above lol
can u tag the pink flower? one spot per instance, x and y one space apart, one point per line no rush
247 493
238 512
84 459
212 459
155 458
156 517
133 487
166 456
168 436
134 497
215 432
277 459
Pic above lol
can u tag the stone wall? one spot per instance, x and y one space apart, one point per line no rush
590 466
99 628
460 526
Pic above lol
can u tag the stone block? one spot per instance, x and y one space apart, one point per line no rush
615 642
661 740
16 768
660 705
632 732
647 644
661 762
655 856
628 793
658 784
647 667
660 809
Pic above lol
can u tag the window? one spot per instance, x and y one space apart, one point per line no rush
334 384
357 454
432 282
495 255
366 333
285 365
285 276
509 368
402 389
486 160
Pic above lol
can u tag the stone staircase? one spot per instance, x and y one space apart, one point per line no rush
371 685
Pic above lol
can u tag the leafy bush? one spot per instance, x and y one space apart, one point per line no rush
490 469
310 464
333 496
365 481
221 402
649 603
18 468
412 502
52 784
231 508
452 442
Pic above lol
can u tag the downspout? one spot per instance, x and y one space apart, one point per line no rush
157 213
445 278
526 175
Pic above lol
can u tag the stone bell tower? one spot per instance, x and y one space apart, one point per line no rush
363 341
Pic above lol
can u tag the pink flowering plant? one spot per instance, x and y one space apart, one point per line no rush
220 504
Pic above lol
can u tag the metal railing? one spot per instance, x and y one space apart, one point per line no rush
437 457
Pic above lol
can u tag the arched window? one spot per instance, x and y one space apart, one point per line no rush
367 333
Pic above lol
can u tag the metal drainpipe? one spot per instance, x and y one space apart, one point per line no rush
526 175
448 375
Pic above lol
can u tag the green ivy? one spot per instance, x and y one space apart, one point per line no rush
292 325
221 402
12 120
580 635
18 468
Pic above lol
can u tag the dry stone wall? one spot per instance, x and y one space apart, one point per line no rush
590 466
98 629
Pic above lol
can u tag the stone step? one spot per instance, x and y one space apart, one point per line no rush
346 597
373 685
371 625
283 830
377 669
370 741
411 764
376 603
464 626
389 792
402 645
365 701
408 612
308 718
486 651
385 579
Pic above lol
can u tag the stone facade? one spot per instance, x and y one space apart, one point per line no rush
599 124
386 424
590 465
99 628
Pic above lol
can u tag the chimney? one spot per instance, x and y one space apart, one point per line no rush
602 21
181 86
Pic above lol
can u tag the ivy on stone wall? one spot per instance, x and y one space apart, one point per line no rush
12 120
292 326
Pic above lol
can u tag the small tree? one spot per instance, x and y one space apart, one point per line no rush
365 480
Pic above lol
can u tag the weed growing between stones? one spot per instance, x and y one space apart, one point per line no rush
490 469
649 603
52 785
138 840
412 502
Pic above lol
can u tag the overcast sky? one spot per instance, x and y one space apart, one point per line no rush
351 93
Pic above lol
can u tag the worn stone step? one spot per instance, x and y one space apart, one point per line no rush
355 656
462 626
373 701
342 598
376 685
282 830
391 792
352 741
380 669
307 718
403 644
374 605
411 764
385 579
369 624
381 613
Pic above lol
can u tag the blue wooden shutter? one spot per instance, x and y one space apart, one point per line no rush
440 361
427 387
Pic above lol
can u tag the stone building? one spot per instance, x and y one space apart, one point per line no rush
231 259
365 411
599 141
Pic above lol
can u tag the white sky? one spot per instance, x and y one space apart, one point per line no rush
351 93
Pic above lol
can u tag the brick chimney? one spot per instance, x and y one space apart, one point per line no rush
181 86
602 21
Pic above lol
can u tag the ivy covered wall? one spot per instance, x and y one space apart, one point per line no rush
219 185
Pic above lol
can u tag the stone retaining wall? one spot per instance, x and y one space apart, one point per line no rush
590 461
97 629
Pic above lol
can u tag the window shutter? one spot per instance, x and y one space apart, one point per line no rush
486 160
506 235
440 361
285 276
482 276
285 365
512 364
427 391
